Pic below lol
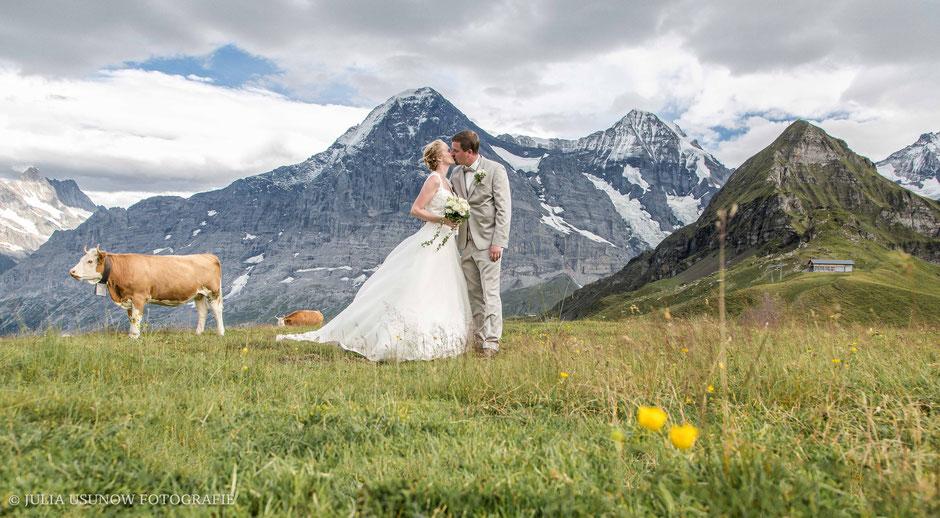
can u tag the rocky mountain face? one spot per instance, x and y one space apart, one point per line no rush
804 186
656 177
305 236
916 167
32 208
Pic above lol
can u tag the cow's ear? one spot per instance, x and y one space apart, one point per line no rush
101 256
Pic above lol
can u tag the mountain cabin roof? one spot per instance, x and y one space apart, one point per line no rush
831 261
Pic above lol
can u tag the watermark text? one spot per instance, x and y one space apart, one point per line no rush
123 499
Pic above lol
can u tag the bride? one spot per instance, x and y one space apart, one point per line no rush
415 305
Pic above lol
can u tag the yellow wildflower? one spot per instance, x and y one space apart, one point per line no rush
685 350
836 360
687 400
564 374
683 437
244 367
650 417
853 349
711 388
245 350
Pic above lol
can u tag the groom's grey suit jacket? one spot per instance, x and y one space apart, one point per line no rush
490 205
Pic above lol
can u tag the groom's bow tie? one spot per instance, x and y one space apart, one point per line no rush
467 169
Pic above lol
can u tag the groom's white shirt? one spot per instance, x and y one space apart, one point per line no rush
468 174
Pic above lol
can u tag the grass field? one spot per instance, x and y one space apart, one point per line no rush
821 420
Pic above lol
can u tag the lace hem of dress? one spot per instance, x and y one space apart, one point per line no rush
397 336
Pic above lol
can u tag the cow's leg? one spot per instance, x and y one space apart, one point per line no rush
202 307
135 316
130 318
216 305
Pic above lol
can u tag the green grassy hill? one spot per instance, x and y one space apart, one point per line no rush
887 287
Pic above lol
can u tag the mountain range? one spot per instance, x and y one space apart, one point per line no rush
805 196
32 207
305 236
916 167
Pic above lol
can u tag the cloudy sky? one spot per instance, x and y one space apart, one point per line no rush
136 98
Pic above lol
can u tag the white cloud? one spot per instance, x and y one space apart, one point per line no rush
131 130
863 69
759 134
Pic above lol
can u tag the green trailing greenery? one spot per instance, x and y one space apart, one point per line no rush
825 419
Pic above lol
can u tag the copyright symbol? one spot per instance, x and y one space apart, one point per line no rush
14 500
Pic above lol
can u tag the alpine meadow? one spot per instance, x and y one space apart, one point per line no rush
816 418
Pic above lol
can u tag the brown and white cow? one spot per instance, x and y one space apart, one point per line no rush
133 280
301 318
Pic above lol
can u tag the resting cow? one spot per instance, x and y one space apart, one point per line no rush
301 318
133 280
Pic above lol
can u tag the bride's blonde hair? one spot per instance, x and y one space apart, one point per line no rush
432 154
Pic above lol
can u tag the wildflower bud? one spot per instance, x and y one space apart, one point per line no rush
617 435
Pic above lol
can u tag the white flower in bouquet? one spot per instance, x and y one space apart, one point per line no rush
457 210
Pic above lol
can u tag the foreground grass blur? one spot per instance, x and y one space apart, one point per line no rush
822 420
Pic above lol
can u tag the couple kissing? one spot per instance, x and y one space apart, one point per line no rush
427 302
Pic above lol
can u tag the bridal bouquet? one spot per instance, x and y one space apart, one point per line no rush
457 210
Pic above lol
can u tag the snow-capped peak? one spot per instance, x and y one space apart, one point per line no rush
32 175
416 100
916 167
31 212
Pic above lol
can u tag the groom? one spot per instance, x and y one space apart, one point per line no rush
481 240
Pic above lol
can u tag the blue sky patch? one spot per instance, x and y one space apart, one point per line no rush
729 133
226 66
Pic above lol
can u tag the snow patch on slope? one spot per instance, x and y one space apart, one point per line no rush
685 208
552 219
519 163
640 221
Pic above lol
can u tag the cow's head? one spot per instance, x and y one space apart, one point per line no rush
90 267
280 321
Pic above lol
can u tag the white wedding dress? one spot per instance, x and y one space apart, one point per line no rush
415 305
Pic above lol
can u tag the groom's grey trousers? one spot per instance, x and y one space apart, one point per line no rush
485 304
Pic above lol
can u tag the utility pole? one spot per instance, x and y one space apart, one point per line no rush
779 267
